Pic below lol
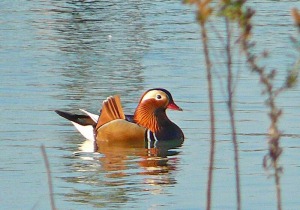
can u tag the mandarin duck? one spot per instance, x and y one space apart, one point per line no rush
148 127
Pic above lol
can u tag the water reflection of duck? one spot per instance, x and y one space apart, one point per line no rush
149 126
116 161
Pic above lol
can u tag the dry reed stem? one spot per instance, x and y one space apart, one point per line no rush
230 102
50 185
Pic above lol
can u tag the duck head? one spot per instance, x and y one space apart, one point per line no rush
151 110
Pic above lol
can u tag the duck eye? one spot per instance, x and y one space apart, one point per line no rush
158 96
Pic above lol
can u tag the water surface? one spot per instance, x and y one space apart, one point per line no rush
73 54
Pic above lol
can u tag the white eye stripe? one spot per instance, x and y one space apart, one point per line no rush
153 94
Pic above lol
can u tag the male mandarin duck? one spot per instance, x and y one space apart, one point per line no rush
148 126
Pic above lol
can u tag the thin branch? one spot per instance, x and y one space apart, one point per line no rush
274 114
231 112
50 185
212 115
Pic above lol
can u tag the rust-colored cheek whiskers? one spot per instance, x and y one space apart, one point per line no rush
145 116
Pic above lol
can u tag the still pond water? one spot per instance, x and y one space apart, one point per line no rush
73 54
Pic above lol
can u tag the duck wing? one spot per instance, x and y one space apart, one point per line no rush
111 110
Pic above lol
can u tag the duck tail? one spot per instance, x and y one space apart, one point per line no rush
83 123
77 118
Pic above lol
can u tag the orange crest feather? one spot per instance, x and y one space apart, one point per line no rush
111 110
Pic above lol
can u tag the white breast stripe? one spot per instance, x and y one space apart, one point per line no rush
151 139
155 139
148 138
